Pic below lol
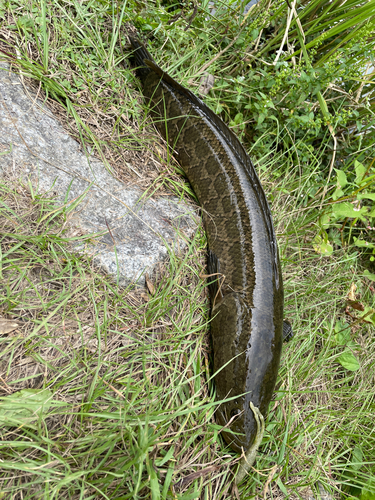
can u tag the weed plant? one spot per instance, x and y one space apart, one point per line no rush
117 382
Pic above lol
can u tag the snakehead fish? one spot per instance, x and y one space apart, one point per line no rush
246 286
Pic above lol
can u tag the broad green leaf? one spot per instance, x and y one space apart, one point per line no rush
254 34
24 407
304 118
322 246
238 118
348 361
219 108
369 314
366 196
341 178
357 458
362 243
342 333
367 495
368 491
369 275
360 171
337 194
261 118
324 221
301 98
347 209
323 105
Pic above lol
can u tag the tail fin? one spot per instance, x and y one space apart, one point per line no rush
140 55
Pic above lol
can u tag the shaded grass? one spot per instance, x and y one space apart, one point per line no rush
129 370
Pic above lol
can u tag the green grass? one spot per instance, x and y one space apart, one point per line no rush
125 374
128 371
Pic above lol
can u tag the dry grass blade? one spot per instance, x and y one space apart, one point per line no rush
195 475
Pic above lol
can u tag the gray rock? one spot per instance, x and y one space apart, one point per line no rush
323 494
55 162
247 7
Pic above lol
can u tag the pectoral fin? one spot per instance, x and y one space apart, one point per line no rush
287 331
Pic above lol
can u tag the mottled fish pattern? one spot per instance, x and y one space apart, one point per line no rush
246 291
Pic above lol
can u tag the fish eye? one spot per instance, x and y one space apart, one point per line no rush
234 412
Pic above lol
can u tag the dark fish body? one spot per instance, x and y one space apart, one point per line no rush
247 291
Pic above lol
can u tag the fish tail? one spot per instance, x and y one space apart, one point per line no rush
140 54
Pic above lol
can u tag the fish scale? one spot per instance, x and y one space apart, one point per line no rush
247 309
